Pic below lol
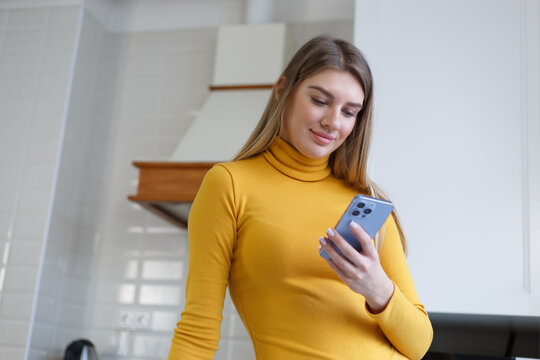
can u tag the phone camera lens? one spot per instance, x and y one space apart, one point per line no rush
361 205
356 212
367 211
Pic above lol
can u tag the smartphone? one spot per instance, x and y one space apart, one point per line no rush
370 213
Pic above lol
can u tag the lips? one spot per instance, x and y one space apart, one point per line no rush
322 137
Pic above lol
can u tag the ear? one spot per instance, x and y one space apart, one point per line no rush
280 85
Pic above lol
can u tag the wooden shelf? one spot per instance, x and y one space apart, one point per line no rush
163 185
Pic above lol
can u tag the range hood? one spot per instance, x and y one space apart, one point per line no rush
249 59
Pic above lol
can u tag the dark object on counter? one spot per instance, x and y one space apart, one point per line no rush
81 349
444 356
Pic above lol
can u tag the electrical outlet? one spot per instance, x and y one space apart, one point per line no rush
135 319
125 321
142 319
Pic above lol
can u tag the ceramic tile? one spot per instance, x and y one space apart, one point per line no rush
28 18
13 106
233 327
190 63
56 61
54 85
42 335
29 227
77 290
163 270
147 41
151 346
44 105
46 124
20 279
23 40
3 18
184 40
14 332
20 63
61 39
144 63
12 352
16 306
141 104
7 202
46 307
6 225
64 17
106 342
143 85
42 150
33 202
115 267
161 295
165 320
25 253
72 315
111 292
39 177
18 85
106 316
241 350
12 161
166 246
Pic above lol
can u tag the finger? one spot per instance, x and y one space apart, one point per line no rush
368 248
343 275
337 259
348 251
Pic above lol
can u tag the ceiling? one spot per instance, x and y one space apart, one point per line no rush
149 15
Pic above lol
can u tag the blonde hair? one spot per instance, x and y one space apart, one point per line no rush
349 161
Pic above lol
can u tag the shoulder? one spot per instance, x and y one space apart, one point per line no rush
239 168
227 174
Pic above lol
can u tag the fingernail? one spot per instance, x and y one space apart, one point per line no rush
320 247
353 224
330 232
322 240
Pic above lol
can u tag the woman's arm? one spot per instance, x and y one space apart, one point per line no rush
212 235
385 282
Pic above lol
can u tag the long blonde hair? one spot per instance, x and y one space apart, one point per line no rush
349 161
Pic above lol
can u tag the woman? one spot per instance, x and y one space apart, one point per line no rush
254 224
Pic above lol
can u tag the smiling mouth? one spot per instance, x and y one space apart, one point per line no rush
321 137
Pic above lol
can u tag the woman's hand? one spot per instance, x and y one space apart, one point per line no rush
361 271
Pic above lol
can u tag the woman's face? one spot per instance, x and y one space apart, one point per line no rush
321 112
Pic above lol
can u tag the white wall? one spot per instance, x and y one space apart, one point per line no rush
36 50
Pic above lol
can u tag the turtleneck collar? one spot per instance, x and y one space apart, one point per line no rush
292 163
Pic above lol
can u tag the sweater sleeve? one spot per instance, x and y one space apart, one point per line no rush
404 321
212 234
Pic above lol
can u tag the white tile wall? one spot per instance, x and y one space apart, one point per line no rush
74 234
29 143
141 256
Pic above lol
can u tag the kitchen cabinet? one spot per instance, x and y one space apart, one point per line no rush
456 145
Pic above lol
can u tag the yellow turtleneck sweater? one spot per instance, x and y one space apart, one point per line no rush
254 226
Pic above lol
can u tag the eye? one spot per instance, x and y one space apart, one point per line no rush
349 113
319 102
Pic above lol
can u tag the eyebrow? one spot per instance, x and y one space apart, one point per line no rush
330 95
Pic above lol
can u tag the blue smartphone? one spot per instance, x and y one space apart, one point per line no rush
370 213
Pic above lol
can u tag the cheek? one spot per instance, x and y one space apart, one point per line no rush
347 130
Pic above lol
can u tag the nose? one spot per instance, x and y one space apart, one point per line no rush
331 119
